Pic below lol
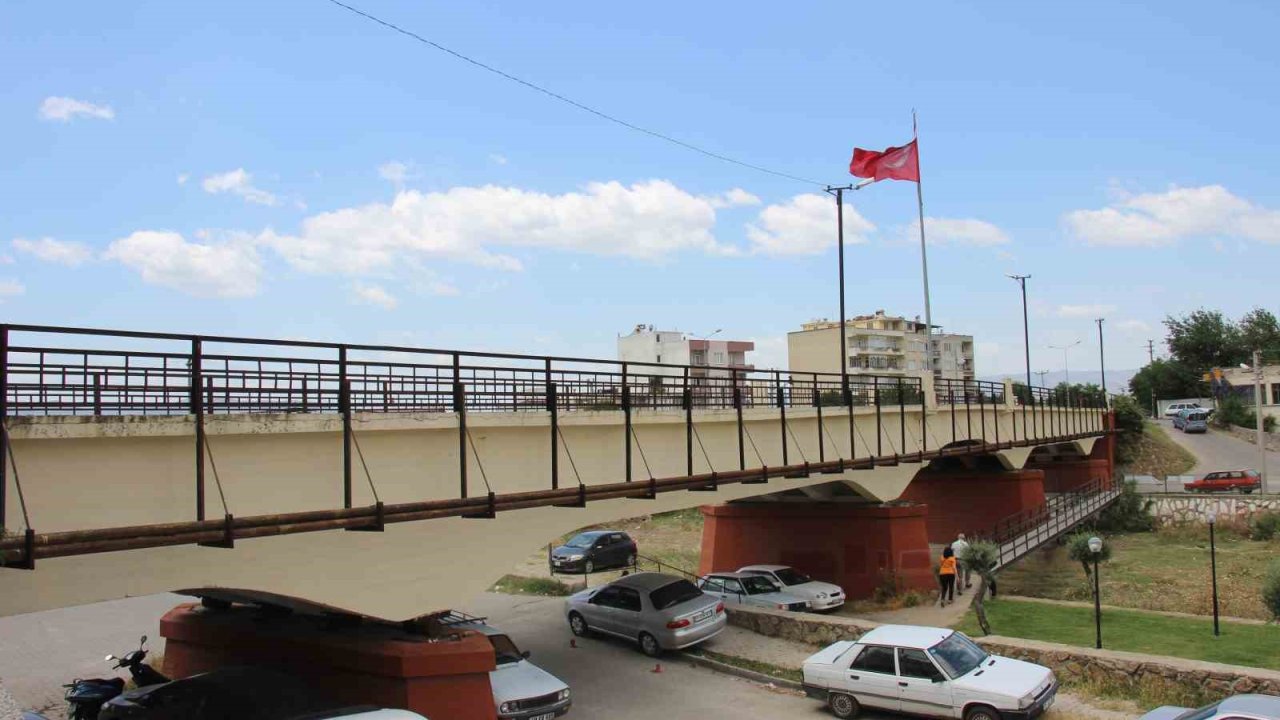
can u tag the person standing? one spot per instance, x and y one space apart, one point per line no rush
964 575
947 574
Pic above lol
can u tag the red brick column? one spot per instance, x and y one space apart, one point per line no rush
362 665
972 501
858 547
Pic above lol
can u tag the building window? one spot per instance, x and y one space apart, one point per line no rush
1275 393
718 358
659 358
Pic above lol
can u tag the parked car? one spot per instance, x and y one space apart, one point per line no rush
820 595
747 588
594 550
926 671
1247 707
1195 421
657 611
1175 408
1242 481
522 690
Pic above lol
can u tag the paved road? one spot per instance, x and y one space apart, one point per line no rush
609 678
1217 450
41 651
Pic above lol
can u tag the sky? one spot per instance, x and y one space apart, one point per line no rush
295 170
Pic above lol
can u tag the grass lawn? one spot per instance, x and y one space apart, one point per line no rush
1133 631
1155 453
1166 570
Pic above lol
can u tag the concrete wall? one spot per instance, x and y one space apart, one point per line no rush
973 501
81 473
1176 509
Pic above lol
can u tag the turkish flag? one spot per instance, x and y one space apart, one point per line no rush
895 163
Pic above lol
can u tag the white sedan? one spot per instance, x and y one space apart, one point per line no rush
821 595
926 671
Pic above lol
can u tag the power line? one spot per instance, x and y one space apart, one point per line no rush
569 101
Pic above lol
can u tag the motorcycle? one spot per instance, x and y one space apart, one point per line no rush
85 697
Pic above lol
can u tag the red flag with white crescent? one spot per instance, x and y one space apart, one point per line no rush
895 163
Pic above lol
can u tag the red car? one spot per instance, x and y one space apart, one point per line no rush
1243 481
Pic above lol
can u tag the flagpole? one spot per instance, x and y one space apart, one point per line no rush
844 354
924 257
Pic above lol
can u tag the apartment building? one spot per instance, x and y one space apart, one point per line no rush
707 357
880 344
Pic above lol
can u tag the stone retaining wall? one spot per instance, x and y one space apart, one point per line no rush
1071 664
1175 509
1250 435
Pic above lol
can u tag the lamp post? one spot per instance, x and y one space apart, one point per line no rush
1257 415
1095 547
1026 336
1064 348
1212 517
1102 363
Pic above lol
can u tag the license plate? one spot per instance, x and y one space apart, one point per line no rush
558 563
702 615
544 716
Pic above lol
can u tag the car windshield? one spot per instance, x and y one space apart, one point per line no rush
1203 713
789 576
958 655
674 593
581 541
757 584
505 650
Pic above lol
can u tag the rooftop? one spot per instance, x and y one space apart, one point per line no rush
911 636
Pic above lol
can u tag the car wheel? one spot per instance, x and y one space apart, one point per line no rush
578 624
843 706
982 712
588 567
649 645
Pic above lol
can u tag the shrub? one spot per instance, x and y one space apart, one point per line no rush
1264 526
1131 512
1271 590
1078 550
1233 410
981 557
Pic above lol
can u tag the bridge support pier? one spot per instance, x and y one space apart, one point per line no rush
972 501
357 665
1070 473
858 546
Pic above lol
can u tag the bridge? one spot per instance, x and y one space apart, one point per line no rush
395 480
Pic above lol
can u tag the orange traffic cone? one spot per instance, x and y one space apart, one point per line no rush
657 668
573 642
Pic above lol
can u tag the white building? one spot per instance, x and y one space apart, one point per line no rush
706 357
880 344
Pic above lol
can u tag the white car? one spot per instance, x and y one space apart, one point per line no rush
521 690
1175 408
821 595
926 671
1239 707
751 589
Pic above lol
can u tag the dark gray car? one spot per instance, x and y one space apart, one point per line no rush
659 612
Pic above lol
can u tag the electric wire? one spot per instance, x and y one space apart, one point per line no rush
574 103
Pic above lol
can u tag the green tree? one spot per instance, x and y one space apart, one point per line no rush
1204 339
1259 330
1168 379
981 557
1078 550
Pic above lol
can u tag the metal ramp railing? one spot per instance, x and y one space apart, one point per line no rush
1019 534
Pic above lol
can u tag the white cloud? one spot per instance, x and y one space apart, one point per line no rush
228 269
497 159
65 109
958 231
1158 219
396 172
649 220
804 225
736 197
238 182
62 252
374 295
6 259
442 289
1133 327
183 178
1085 311
11 288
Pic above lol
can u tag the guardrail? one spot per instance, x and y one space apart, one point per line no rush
1022 532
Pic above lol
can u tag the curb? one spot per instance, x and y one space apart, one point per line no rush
727 669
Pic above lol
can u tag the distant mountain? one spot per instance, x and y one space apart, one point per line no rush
1117 380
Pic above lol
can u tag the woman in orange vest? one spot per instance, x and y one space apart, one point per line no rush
947 574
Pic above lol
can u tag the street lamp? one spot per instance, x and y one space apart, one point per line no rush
1212 517
1095 548
1102 363
1064 348
1026 336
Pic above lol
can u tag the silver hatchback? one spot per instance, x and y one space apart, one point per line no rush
659 612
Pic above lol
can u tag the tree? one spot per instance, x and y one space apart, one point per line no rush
1167 379
1259 330
982 557
1205 339
1078 550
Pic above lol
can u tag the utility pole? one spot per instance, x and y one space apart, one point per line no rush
1257 412
1102 363
844 352
1026 335
1151 358
1151 351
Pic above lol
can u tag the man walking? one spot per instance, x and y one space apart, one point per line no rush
961 548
